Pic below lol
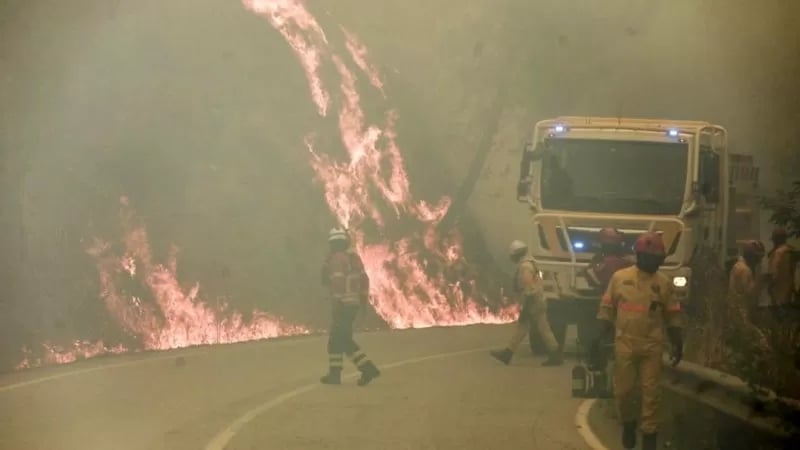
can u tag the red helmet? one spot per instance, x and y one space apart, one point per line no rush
650 243
753 248
610 236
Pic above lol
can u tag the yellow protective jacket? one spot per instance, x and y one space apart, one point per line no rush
344 275
742 286
641 305
527 283
781 275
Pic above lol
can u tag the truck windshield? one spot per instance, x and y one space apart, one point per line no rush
608 176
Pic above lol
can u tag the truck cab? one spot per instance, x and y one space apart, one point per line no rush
580 174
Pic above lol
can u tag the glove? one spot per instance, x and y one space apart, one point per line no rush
606 333
676 340
597 356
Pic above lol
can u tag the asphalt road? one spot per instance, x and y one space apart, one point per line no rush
439 390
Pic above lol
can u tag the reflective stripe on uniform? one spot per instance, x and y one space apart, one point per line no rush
632 307
358 358
335 360
346 278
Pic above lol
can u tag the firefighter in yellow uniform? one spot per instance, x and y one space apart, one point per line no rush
780 275
528 288
745 288
640 304
744 284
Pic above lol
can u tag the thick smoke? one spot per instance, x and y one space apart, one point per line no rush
197 112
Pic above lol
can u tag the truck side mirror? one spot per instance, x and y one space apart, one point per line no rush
530 154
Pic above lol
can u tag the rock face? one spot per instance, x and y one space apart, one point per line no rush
196 112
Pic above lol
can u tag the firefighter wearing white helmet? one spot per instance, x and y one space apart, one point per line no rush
348 285
529 292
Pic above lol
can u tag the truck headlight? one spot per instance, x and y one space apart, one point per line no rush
680 282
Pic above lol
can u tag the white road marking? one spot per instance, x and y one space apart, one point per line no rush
225 436
171 354
159 356
582 424
35 381
221 440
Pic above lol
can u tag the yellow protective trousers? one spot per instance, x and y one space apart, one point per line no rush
534 312
637 368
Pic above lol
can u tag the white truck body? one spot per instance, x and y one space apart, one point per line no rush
676 178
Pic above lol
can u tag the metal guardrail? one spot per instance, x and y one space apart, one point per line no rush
731 396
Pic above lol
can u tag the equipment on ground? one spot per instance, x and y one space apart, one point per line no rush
594 379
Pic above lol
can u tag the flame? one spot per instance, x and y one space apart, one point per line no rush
303 34
414 281
172 316
418 279
150 305
55 354
359 54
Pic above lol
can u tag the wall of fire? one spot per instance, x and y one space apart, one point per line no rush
197 110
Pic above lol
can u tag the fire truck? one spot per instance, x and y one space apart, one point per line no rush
676 178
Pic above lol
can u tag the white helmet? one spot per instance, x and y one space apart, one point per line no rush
337 234
517 248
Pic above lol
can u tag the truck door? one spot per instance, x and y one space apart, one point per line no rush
710 187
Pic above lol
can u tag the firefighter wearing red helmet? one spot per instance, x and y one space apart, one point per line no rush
608 260
344 275
640 303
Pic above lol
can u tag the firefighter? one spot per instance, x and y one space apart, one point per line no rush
748 313
344 275
608 260
743 283
780 274
640 302
528 288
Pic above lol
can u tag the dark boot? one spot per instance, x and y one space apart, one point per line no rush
555 359
504 356
368 373
649 441
629 435
334 376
